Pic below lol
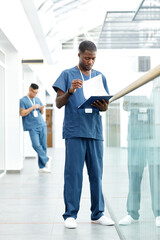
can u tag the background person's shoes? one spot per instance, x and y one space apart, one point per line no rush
44 170
70 222
158 221
48 164
104 221
127 220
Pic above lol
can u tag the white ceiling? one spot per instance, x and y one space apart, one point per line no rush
56 21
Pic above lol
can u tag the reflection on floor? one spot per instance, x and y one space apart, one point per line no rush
31 206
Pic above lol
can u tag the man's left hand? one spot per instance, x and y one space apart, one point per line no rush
101 105
41 109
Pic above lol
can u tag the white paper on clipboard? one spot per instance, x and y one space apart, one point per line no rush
94 87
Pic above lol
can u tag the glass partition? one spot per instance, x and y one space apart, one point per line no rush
131 176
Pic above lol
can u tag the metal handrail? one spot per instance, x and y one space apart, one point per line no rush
149 76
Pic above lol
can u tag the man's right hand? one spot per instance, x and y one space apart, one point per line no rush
36 106
76 83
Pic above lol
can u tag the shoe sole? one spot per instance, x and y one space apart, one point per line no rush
70 227
126 224
110 224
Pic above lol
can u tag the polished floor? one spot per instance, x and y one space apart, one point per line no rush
31 204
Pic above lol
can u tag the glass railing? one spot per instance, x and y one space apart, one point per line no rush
131 176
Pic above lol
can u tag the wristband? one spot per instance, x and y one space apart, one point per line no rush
69 92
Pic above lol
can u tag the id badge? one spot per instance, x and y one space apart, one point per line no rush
35 113
88 110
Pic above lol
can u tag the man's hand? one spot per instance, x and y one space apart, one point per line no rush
25 112
101 105
36 106
63 98
41 109
76 83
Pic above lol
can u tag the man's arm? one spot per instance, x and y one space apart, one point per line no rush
25 112
62 98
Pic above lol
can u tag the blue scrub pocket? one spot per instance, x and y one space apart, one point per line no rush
71 125
81 124
90 124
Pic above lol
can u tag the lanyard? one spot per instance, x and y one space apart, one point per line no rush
35 112
33 103
82 74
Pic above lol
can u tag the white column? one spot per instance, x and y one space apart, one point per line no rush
12 120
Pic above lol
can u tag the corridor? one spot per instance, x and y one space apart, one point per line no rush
31 206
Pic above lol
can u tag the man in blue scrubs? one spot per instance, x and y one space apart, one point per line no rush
82 131
31 110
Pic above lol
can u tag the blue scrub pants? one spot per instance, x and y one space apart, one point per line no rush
39 143
78 151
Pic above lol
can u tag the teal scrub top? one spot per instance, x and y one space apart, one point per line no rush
30 122
76 122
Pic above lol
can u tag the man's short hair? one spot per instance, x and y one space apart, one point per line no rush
87 45
34 86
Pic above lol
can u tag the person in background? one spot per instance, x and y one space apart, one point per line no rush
31 110
82 131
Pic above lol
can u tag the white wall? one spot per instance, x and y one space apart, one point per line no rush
12 123
2 113
13 73
18 42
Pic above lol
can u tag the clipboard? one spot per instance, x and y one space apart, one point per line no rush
89 101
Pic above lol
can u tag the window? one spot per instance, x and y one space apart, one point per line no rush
144 63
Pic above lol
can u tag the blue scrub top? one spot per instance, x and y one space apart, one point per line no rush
30 122
76 122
